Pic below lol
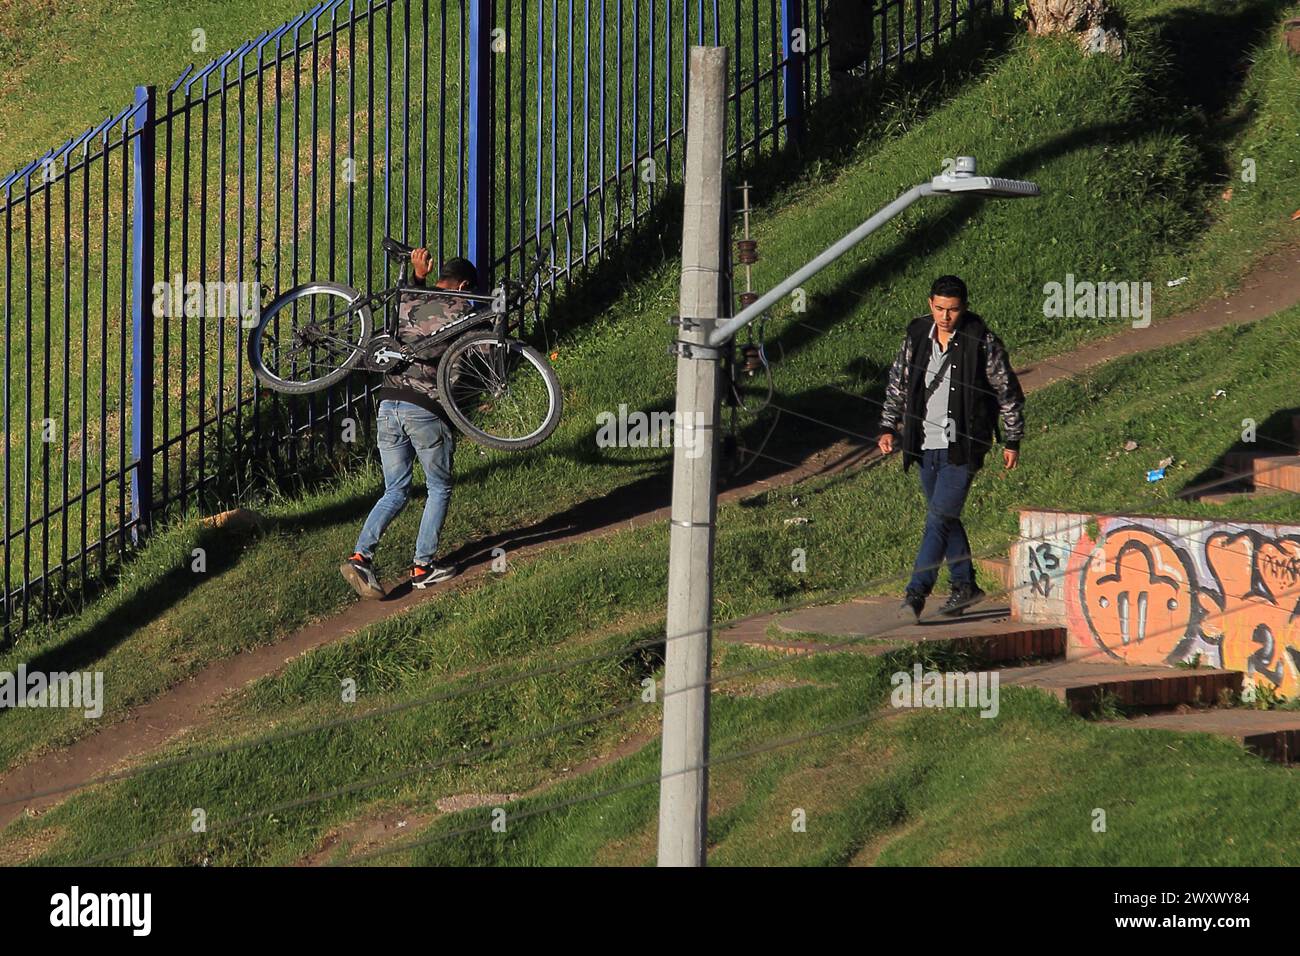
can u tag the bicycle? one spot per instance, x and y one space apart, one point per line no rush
497 390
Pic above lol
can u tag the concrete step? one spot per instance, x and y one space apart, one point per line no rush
1241 462
1277 472
871 625
1273 734
1260 471
1081 686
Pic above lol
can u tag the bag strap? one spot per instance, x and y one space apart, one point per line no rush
938 377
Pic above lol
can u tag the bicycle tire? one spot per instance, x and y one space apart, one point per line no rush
450 361
332 290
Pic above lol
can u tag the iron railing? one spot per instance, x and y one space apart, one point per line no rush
486 128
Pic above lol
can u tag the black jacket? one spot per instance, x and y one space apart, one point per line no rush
984 390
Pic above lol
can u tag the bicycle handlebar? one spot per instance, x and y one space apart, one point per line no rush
512 291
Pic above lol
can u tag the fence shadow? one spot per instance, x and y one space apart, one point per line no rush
246 471
221 548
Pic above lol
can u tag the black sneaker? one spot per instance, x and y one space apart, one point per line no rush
909 612
963 596
422 575
359 571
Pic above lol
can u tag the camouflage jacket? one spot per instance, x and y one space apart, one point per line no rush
419 316
985 392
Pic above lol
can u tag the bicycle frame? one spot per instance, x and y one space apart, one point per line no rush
389 300
501 324
485 354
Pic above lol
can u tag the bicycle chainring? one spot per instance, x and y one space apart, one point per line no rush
386 354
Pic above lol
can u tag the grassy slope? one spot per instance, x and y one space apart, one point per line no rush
177 621
50 49
311 224
973 784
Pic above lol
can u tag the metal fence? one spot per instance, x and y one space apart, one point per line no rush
487 128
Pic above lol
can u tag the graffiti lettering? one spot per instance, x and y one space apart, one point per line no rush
1042 561
1140 598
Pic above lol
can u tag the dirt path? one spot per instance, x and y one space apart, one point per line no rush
1271 285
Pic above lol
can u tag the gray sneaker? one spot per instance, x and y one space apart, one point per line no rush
359 571
422 575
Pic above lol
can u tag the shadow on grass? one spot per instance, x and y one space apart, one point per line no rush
1279 434
243 463
1209 55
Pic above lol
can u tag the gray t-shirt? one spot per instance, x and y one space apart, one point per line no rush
936 409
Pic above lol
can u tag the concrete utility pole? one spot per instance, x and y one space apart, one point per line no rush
683 789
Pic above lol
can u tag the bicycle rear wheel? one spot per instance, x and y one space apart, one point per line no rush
499 391
309 338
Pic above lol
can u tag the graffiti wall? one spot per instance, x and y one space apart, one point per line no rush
1149 590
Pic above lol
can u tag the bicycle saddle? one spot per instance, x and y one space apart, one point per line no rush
397 251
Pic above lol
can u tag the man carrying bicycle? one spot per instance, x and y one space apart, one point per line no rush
411 424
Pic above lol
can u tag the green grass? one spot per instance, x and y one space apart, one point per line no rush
176 621
562 640
1100 136
931 788
1132 160
67 64
296 129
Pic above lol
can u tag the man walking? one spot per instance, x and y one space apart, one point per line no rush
949 386
411 424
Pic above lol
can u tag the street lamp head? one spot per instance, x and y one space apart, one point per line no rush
962 179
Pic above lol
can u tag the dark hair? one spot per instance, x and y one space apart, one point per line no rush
949 287
458 269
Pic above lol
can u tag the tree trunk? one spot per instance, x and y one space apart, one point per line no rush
1091 22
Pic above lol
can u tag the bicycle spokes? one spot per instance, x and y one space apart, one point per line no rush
310 337
500 390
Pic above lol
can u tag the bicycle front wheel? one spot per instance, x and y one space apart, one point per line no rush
499 391
309 338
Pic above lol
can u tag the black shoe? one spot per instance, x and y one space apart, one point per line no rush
422 575
359 571
963 596
909 612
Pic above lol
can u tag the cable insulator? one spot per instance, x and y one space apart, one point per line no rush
747 299
746 251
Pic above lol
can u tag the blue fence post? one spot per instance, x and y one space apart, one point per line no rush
792 73
142 364
479 210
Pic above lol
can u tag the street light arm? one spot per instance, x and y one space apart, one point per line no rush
960 179
728 329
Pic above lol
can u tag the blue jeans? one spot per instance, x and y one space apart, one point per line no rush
405 432
945 488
